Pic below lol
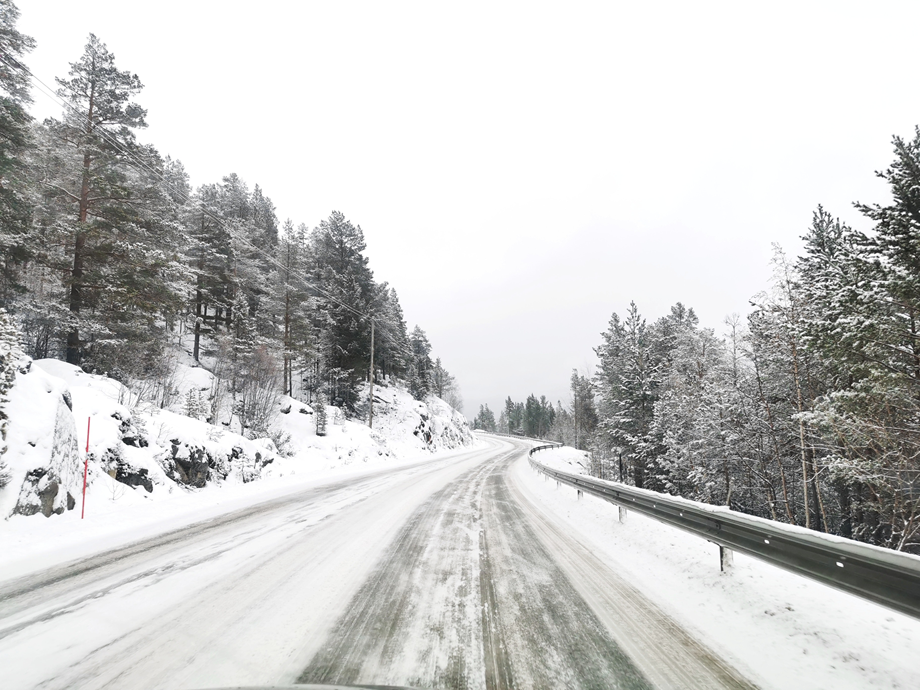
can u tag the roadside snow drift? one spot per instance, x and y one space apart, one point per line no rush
137 452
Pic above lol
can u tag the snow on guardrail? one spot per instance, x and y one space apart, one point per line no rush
886 577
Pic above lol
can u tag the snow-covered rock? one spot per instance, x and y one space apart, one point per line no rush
42 452
402 427
137 452
197 452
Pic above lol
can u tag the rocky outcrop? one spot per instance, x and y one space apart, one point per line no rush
191 466
133 476
49 489
130 432
423 430
41 492
195 465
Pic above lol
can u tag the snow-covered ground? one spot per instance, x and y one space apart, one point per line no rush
779 629
245 598
151 470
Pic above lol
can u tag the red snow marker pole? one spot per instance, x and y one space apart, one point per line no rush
85 469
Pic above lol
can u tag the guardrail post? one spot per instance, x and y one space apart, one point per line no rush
558 484
578 491
888 578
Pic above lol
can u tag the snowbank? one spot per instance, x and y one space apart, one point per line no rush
139 454
780 629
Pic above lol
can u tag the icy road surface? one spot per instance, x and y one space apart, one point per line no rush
447 574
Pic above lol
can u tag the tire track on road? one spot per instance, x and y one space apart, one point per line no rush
551 638
664 650
246 598
468 559
415 621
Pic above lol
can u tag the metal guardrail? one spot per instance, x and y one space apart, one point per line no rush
886 577
519 437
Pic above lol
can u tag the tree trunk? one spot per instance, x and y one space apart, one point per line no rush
288 378
74 355
775 443
79 248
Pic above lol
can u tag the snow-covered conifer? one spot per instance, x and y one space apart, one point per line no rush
10 356
319 413
17 242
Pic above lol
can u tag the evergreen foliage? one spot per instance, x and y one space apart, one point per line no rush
16 238
109 259
485 419
808 413
194 406
319 411
420 374
346 282
10 356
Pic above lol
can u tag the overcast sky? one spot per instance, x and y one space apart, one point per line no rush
523 170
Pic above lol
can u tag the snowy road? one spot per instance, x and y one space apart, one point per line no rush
446 574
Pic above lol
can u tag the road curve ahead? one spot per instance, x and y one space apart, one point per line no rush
445 574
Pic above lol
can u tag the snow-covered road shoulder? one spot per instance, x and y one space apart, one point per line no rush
152 470
779 629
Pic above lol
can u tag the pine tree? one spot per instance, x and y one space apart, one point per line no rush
98 128
211 258
393 352
193 404
445 386
547 417
508 414
863 325
292 303
895 247
16 242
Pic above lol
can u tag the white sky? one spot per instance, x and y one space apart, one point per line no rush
522 170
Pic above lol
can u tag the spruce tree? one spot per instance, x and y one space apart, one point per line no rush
421 368
392 350
341 272
627 382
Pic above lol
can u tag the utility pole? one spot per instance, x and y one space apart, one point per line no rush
370 416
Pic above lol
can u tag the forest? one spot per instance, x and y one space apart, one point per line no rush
805 412
112 261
